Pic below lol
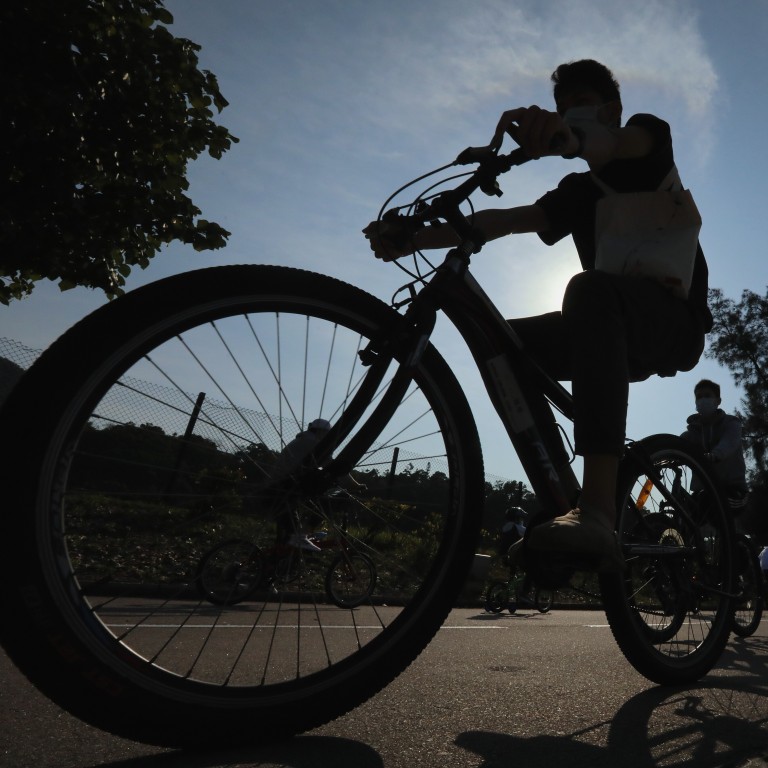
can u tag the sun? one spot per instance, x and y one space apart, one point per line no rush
534 283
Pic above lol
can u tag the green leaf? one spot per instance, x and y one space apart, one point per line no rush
106 114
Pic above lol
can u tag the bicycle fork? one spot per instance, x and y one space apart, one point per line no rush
407 345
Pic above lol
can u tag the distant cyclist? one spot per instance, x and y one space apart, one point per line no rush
297 454
510 541
512 530
719 434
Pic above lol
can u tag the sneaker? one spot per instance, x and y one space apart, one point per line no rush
302 541
580 533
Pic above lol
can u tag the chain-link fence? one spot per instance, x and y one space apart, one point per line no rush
230 427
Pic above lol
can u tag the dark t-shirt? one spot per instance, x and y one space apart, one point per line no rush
571 207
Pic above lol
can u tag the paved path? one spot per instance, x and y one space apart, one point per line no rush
500 691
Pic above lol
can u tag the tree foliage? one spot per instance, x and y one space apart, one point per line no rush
103 109
739 341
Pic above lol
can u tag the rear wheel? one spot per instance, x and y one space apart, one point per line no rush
748 611
670 612
230 572
160 442
665 579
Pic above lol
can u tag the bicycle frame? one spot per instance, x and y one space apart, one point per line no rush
517 387
522 393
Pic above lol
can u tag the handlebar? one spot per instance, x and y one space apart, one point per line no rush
446 205
479 154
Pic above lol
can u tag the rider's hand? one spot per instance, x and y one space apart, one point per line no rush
537 131
381 245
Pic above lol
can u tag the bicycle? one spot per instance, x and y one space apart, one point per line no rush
233 570
124 470
512 593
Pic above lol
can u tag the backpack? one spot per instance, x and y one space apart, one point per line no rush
649 234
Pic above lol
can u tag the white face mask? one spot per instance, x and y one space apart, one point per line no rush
706 406
581 115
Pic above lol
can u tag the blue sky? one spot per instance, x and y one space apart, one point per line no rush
339 102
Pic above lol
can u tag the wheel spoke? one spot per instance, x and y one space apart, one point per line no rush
265 375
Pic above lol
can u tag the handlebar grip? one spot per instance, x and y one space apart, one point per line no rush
479 154
474 155
400 229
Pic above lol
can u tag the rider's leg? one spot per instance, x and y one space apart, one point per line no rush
599 489
615 330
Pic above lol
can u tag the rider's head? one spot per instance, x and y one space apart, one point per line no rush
707 394
707 388
588 84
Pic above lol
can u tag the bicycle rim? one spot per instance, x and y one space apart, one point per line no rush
156 451
670 611
497 597
543 600
229 572
350 580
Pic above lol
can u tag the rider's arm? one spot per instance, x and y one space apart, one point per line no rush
730 441
541 132
492 222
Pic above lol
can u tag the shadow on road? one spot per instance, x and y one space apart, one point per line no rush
717 724
720 723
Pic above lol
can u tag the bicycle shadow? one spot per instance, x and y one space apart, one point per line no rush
523 613
721 723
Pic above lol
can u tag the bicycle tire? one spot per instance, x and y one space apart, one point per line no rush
701 570
230 572
543 599
748 611
497 597
97 554
350 580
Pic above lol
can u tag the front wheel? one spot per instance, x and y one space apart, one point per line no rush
543 599
497 597
167 419
350 580
670 611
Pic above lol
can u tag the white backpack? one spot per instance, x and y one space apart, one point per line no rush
649 234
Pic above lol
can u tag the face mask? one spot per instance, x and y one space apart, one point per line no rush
581 115
706 406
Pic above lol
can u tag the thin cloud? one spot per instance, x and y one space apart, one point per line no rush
480 58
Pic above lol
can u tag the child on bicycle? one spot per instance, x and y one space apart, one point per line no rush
510 540
612 328
513 529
